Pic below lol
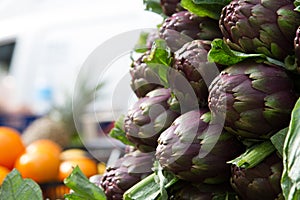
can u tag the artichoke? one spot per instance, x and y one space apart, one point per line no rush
126 172
196 150
169 7
255 99
255 26
190 64
147 118
183 27
143 78
188 191
152 36
259 182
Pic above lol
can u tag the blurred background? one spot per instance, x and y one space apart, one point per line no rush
43 45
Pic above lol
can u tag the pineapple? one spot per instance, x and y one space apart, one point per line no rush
59 124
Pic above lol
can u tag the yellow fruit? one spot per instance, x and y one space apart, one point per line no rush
3 173
101 168
11 146
70 154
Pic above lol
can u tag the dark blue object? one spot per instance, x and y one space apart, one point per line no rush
19 122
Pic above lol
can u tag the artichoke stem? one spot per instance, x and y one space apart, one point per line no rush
254 155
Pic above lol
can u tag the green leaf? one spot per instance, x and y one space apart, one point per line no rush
152 187
140 46
160 59
278 140
15 188
164 179
290 181
206 8
254 155
119 133
297 5
160 53
214 2
82 187
221 53
153 6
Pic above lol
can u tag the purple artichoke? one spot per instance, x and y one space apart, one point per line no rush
183 27
147 118
152 36
255 99
143 78
170 7
255 26
259 182
126 172
188 191
187 81
196 150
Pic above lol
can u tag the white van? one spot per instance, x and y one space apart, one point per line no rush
43 45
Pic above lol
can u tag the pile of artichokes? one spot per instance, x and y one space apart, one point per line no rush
212 86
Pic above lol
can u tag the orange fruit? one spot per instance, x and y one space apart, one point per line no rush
11 146
44 145
3 172
40 166
86 165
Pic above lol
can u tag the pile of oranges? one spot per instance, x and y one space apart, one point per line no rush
42 160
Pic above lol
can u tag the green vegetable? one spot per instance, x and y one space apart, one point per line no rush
255 99
125 172
82 187
15 187
291 158
191 75
148 118
266 27
259 182
183 27
193 149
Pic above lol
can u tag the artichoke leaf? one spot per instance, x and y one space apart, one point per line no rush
290 181
203 10
221 53
278 140
220 2
118 132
